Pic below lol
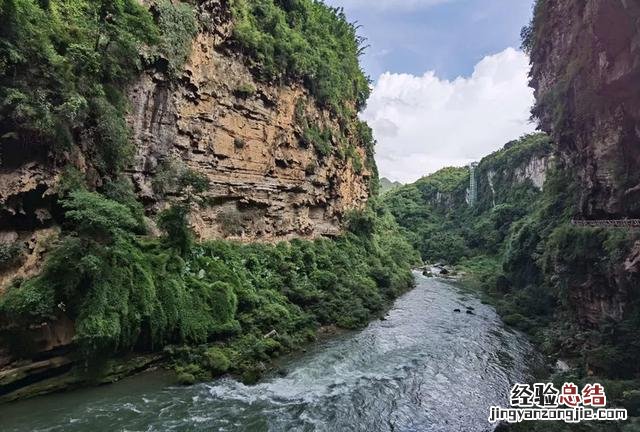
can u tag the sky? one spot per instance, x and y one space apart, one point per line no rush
448 77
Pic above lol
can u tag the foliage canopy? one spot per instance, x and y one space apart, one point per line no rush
306 40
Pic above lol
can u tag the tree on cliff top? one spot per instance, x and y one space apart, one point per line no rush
306 40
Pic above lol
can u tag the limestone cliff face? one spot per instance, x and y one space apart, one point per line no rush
267 181
519 164
494 182
585 58
535 171
244 136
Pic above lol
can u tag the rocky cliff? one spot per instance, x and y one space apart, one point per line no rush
585 58
246 137
267 180
242 135
521 163
447 222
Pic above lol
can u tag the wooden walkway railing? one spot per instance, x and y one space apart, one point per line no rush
605 223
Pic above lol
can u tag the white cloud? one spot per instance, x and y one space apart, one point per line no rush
424 123
401 5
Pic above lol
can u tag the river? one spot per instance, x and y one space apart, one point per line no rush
424 368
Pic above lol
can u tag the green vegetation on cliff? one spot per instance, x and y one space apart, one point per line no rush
306 40
64 66
441 225
310 42
517 244
421 208
64 69
126 291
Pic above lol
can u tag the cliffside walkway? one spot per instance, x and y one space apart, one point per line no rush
608 223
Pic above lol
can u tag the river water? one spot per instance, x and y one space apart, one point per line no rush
424 368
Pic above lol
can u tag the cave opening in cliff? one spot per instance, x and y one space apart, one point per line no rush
31 210
15 153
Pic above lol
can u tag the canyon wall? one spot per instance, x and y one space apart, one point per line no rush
517 165
246 137
585 58
277 165
215 119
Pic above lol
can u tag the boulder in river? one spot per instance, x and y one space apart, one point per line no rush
562 366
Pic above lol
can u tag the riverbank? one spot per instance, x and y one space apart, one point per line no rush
556 343
217 308
115 370
571 289
424 367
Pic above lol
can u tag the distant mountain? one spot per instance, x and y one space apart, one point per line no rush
386 184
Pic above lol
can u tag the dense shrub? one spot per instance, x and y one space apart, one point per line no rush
121 191
178 26
311 168
9 254
245 90
126 291
216 360
63 65
172 177
120 289
444 246
294 287
307 40
579 256
356 163
361 222
319 138
173 221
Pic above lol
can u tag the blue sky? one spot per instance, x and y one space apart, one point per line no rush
450 84
448 36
